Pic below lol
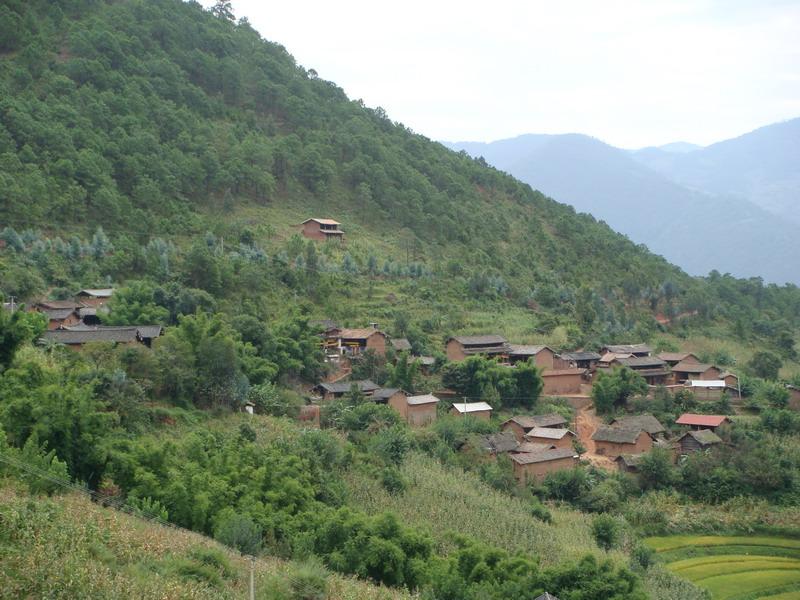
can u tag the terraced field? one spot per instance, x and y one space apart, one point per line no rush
735 568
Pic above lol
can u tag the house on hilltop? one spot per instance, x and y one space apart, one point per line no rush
461 346
322 230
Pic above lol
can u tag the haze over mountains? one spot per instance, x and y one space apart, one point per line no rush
730 206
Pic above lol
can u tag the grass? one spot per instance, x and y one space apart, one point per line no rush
734 567
69 547
442 500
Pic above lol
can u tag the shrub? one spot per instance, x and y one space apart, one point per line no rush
606 531
539 511
308 581
238 531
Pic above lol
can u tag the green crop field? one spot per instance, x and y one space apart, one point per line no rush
735 567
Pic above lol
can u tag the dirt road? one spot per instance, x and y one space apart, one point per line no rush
586 422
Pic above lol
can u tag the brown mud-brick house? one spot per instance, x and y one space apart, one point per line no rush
353 342
543 357
684 371
613 441
59 313
330 391
416 410
479 410
522 424
581 359
646 422
94 297
386 395
534 466
561 382
560 438
462 346
702 421
673 358
76 337
698 440
653 369
322 230
639 350
531 447
732 383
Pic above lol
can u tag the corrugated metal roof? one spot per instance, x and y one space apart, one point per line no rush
548 433
468 407
423 399
710 383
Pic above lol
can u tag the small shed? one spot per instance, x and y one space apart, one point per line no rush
560 438
628 463
534 466
613 441
479 410
697 440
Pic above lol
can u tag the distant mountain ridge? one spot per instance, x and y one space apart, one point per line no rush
635 194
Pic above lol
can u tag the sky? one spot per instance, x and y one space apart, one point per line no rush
632 73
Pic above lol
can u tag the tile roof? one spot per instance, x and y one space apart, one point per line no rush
692 367
500 442
617 435
639 362
534 447
531 421
55 304
674 356
323 221
628 348
358 334
468 407
97 292
548 433
701 420
57 314
385 393
560 372
647 422
342 387
580 355
86 335
479 340
526 350
704 437
423 399
527 458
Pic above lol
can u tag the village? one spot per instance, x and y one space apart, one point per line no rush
537 444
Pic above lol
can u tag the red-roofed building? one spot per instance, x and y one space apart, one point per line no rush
702 421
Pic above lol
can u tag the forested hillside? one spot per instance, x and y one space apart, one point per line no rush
169 153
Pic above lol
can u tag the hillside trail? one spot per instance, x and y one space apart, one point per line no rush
586 423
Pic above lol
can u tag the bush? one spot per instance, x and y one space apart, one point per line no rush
238 531
606 531
309 581
392 480
539 511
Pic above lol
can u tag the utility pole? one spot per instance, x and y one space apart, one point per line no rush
252 578
12 304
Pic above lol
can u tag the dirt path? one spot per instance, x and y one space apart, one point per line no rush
586 423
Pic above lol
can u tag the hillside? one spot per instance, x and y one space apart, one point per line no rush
760 166
695 227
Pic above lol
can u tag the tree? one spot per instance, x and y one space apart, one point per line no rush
606 531
614 388
15 329
765 364
223 9
656 470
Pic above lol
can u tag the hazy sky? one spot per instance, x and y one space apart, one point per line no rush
630 72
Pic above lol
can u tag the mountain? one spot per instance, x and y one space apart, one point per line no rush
697 230
679 147
762 166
